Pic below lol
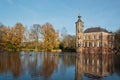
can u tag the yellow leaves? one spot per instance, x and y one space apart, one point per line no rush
12 35
51 38
44 36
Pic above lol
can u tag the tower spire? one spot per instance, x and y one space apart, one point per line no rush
79 16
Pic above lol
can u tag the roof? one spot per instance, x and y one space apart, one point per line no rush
95 29
79 19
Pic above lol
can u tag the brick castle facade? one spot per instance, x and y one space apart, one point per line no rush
93 40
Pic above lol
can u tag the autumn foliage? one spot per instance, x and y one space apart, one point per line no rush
11 37
39 38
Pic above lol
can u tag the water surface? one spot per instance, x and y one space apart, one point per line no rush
62 66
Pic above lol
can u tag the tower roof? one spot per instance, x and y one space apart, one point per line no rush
95 29
79 19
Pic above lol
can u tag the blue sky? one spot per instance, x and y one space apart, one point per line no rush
61 13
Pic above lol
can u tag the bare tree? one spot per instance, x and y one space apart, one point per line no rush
36 34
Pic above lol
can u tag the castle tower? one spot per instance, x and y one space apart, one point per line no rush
79 34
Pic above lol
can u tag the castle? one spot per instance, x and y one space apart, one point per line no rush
93 40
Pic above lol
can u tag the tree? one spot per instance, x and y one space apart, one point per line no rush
50 37
19 31
63 33
1 26
64 41
12 36
43 37
68 43
6 37
71 42
117 39
36 34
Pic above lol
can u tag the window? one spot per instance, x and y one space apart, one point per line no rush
99 44
93 44
98 36
88 44
79 44
83 44
84 37
76 44
110 45
93 62
98 63
78 31
88 37
111 37
105 44
93 36
88 61
79 37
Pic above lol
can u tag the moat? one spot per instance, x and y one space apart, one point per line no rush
58 66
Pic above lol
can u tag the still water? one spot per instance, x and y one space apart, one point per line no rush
62 66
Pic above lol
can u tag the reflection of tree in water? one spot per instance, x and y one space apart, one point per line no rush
10 62
50 64
117 64
33 66
67 61
30 63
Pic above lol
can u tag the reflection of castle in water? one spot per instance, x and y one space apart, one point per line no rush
94 65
